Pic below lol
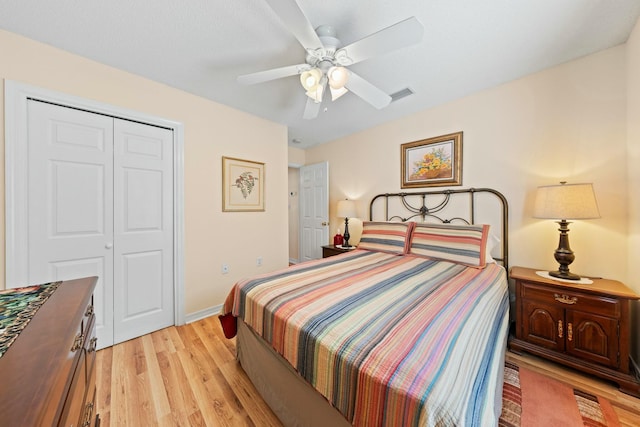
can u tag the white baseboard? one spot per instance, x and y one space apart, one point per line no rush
202 314
293 261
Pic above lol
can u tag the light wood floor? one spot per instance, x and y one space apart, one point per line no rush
188 376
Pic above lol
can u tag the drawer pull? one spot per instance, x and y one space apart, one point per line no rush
77 342
89 311
564 299
88 413
560 329
93 343
569 331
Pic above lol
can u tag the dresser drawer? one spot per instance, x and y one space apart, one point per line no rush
74 404
90 344
561 297
90 418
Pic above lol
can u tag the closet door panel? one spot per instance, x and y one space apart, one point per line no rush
70 198
143 229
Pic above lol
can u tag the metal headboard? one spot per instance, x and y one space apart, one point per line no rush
430 205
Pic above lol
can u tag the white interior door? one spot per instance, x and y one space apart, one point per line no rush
70 210
100 194
314 210
143 230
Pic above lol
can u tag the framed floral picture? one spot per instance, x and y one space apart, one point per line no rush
433 162
242 185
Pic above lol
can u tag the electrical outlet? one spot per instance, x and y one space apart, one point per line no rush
225 268
259 261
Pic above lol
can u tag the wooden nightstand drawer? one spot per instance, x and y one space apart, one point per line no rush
597 304
331 250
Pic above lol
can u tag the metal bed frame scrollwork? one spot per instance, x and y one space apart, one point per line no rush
427 205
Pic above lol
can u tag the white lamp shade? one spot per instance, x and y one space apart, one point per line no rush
338 77
310 79
337 93
566 201
316 93
347 209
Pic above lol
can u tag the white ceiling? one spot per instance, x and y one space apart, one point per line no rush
201 46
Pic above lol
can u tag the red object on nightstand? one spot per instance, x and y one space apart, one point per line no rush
338 240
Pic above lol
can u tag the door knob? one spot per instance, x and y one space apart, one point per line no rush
108 245
325 223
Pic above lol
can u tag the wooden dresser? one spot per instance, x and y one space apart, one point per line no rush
585 326
47 375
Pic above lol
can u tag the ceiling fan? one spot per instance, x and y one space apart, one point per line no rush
326 59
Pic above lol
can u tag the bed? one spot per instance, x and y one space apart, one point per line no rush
409 329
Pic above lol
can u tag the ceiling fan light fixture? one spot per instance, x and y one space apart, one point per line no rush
310 79
338 77
316 93
337 93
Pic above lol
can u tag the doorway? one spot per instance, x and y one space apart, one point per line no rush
294 215
314 210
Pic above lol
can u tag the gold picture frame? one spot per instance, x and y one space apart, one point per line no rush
242 185
433 162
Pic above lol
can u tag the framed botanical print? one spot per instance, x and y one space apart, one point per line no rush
242 185
433 162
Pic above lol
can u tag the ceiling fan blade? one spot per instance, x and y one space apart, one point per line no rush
273 74
367 91
404 33
311 109
297 22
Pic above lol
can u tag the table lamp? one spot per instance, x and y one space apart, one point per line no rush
563 202
346 210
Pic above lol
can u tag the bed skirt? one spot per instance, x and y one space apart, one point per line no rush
289 396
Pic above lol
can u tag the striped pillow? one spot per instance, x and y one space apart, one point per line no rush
389 237
463 244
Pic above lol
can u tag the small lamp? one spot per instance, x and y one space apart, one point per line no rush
346 210
562 202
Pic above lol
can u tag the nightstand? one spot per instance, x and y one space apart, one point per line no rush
584 326
330 250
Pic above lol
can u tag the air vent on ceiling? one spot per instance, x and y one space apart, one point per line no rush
401 94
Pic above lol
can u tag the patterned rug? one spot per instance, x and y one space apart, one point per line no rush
532 399
17 307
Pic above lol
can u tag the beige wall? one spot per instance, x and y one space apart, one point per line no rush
210 132
633 160
296 157
565 123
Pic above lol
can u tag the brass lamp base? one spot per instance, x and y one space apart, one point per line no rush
564 255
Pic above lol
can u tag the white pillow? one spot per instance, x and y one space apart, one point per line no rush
492 242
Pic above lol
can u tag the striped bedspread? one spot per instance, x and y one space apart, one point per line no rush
389 340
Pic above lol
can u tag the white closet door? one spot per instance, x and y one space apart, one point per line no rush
70 202
100 203
143 229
